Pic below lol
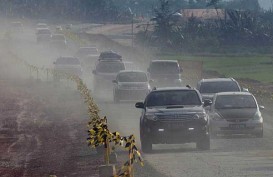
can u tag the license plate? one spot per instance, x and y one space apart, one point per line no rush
237 126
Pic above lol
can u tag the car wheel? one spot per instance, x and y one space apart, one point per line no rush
203 143
116 99
146 145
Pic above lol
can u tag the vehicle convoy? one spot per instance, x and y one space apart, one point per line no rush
209 87
174 115
43 35
131 85
105 72
58 41
235 113
69 65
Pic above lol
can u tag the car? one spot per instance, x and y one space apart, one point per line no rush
58 29
87 52
105 72
110 55
58 41
43 35
68 65
209 87
165 73
235 113
131 85
41 25
174 115
16 27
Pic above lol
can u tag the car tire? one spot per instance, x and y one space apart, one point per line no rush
116 99
146 145
203 143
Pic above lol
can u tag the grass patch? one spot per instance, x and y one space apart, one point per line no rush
258 68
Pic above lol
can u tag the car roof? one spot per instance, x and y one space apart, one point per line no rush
217 80
132 71
170 61
232 93
173 89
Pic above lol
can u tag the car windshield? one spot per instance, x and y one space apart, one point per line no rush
58 37
67 61
235 102
216 87
132 77
164 68
41 26
110 67
44 31
173 97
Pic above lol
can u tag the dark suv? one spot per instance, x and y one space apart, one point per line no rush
174 115
165 73
209 87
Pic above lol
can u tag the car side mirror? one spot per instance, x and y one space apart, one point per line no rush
261 107
94 72
207 102
139 105
245 90
115 81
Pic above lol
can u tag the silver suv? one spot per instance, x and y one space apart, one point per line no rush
209 87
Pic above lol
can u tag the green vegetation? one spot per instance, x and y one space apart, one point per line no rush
258 68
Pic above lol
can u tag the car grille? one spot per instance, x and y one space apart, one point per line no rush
175 117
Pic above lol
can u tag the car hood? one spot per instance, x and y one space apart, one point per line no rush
246 113
170 111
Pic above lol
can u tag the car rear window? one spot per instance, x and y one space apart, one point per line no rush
164 68
110 67
216 87
67 61
43 31
174 97
132 77
235 102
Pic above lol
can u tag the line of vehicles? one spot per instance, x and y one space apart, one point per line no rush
171 112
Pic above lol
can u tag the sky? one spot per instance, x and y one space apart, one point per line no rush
266 4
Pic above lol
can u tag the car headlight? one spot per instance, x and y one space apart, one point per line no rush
201 116
151 117
216 116
257 116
